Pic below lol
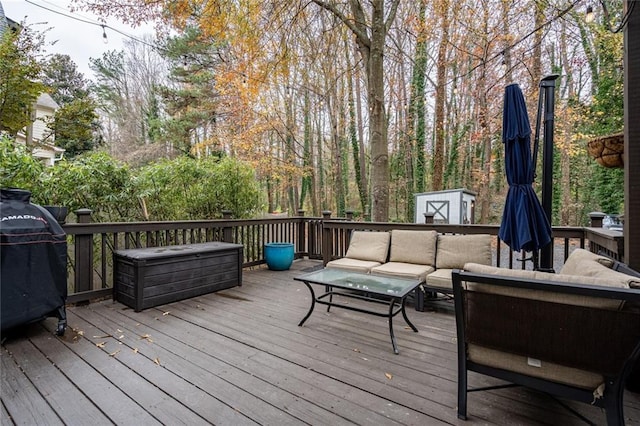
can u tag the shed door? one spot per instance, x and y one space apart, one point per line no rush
440 210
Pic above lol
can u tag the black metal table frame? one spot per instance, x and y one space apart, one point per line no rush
392 300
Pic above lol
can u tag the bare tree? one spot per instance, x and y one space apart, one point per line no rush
370 33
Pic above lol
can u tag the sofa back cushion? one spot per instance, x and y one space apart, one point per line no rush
372 246
586 264
546 296
577 258
453 251
413 247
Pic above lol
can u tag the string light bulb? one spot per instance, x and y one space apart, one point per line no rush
105 40
590 16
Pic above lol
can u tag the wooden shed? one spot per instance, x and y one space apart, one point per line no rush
453 206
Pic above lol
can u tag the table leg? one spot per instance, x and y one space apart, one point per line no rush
393 337
404 314
313 303
329 290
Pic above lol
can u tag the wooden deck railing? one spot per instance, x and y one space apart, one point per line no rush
604 241
91 245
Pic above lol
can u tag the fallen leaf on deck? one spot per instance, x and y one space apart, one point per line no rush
356 350
121 336
388 376
135 350
157 361
101 344
166 313
114 353
104 336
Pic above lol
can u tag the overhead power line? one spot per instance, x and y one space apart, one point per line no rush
102 25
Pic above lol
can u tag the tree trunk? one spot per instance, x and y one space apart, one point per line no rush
356 148
371 41
564 145
416 129
378 118
483 119
363 185
438 152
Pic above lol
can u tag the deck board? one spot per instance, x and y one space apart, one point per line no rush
238 357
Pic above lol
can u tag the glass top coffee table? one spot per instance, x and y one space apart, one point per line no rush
372 288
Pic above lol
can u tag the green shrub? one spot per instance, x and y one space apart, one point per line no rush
191 189
95 181
18 168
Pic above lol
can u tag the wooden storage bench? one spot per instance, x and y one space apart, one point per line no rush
148 277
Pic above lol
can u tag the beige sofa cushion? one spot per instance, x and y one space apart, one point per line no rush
584 263
547 371
453 251
413 247
441 278
577 259
355 265
403 270
372 246
547 296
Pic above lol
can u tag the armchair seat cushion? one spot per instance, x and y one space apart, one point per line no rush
524 365
403 270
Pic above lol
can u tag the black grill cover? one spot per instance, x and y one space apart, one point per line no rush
33 252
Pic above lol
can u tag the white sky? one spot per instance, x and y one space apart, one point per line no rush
79 40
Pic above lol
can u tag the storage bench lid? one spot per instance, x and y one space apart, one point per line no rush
175 251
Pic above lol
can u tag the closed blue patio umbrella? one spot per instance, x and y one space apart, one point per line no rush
524 224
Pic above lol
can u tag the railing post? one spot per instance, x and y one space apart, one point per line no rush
326 238
596 219
302 234
349 214
83 255
227 231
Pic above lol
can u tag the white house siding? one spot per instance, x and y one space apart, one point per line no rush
45 150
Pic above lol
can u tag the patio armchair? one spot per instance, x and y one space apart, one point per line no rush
572 336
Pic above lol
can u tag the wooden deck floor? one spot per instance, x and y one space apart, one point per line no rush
238 357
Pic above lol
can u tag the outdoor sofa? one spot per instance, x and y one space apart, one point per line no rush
427 256
575 334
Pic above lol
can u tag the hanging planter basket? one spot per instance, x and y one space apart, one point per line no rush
608 151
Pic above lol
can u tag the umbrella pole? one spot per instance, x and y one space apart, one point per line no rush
548 85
